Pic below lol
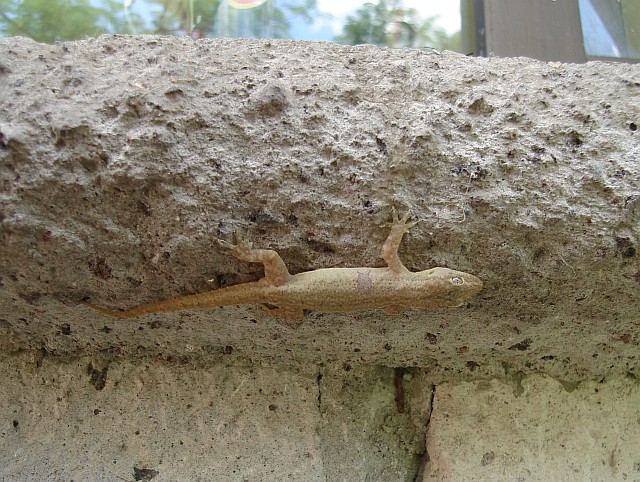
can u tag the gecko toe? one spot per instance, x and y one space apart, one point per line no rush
244 245
400 223
395 220
394 215
225 244
241 245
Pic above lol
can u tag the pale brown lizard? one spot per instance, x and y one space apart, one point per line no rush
285 296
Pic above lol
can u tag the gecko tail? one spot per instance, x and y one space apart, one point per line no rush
107 311
186 302
231 295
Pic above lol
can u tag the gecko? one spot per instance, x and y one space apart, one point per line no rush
333 290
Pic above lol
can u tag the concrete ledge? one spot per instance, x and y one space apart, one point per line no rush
123 158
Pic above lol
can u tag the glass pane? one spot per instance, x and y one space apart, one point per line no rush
609 27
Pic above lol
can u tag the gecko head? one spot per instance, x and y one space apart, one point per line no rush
444 287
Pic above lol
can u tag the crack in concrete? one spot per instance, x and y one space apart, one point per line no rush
425 457
319 383
318 429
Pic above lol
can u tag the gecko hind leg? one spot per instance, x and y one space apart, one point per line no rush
275 270
399 226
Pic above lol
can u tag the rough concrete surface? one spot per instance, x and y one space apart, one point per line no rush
122 159
535 429
85 419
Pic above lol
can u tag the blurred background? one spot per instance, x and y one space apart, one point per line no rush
393 23
561 30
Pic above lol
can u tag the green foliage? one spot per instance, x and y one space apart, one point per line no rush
173 16
450 42
387 25
52 20
304 8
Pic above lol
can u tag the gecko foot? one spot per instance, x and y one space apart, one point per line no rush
399 225
240 249
275 271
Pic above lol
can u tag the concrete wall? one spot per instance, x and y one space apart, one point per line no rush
122 159
80 419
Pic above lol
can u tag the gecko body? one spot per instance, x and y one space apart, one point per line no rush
393 288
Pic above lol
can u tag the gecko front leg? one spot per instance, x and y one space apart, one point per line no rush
390 247
275 270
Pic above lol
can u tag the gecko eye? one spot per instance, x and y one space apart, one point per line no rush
457 280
